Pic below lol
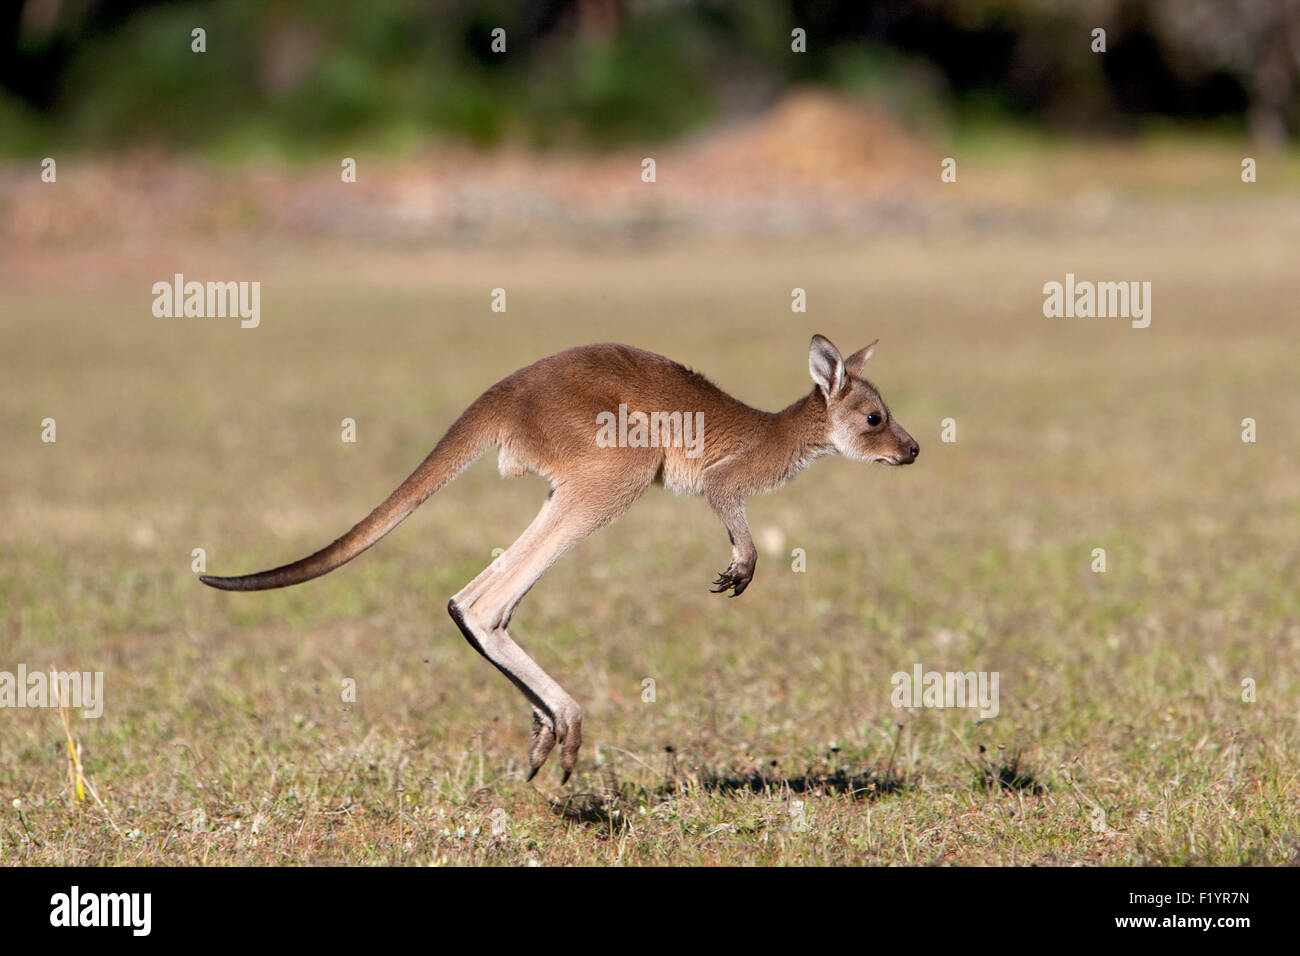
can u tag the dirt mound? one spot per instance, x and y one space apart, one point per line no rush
814 136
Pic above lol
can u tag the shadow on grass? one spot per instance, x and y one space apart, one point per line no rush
868 785
610 810
607 812
1008 777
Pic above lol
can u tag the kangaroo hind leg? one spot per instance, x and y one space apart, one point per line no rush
484 607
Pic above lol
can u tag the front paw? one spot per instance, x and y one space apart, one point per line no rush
736 578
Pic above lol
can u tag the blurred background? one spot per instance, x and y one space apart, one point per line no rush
460 142
295 76
797 145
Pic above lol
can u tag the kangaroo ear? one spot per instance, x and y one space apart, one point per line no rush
825 366
853 364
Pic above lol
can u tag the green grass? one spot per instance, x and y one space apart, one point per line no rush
1122 737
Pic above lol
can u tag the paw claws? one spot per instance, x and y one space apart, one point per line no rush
564 729
732 580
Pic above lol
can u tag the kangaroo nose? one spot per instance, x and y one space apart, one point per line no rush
915 450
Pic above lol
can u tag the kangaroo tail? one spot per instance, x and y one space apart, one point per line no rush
465 440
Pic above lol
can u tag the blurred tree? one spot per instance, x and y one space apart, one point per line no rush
1257 41
299 73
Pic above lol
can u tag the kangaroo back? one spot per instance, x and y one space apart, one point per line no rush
471 434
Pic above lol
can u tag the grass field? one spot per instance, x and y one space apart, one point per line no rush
1122 737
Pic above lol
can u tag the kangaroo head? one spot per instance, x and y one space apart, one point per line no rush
858 423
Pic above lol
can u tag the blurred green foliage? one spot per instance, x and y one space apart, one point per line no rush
296 76
304 75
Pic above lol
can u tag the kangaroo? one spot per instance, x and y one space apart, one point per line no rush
555 418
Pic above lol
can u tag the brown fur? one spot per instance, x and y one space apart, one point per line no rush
544 419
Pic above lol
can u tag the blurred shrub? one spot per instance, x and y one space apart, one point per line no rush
308 74
297 75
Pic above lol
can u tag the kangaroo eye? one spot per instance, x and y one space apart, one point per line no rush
873 419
